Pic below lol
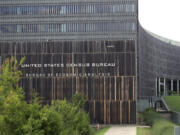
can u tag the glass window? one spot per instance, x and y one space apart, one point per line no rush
10 28
133 8
121 8
75 9
133 27
99 8
63 10
83 9
63 27
18 10
69 27
89 9
115 8
4 10
67 9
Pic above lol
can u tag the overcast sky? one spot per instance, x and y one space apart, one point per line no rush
161 17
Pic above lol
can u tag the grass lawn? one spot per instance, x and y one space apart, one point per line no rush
102 131
143 131
159 125
173 102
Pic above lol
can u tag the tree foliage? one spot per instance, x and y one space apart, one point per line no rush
17 117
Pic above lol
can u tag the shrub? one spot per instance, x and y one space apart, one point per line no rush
162 127
150 116
159 125
17 117
78 100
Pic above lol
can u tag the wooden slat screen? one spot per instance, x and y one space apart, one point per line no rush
57 70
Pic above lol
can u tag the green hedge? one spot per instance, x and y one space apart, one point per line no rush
158 125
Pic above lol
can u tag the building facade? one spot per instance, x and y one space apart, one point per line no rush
71 46
93 47
159 67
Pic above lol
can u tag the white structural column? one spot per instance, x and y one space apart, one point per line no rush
172 85
159 87
177 86
164 86
156 87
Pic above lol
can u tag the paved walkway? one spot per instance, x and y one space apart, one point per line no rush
121 130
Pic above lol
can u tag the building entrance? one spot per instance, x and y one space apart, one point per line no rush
165 86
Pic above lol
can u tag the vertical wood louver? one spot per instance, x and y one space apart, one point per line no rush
87 47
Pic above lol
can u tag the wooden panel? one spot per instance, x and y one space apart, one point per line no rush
103 71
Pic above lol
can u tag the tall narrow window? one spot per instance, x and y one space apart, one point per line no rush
133 8
133 26
63 10
115 8
63 27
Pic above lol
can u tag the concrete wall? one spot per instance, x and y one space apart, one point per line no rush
175 116
142 105
177 131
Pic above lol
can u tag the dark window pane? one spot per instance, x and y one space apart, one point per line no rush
67 9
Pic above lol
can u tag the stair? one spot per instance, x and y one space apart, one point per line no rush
165 104
161 105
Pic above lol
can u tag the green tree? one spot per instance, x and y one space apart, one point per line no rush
11 96
79 101
17 117
76 121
